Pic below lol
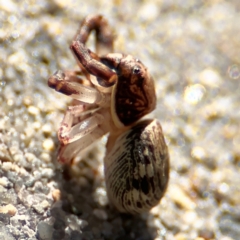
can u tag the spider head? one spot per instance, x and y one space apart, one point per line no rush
133 96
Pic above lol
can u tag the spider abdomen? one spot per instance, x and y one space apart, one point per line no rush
137 168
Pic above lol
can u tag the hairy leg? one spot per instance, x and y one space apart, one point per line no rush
68 152
77 138
104 36
69 84
68 132
88 60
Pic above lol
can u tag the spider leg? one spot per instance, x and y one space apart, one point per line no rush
74 87
93 124
105 76
104 36
89 61
67 152
68 132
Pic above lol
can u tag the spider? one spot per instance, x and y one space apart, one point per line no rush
113 92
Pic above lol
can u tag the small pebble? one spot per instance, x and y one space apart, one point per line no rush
198 153
210 77
101 196
180 197
30 233
148 11
4 182
30 157
8 209
181 236
100 214
36 125
45 157
47 129
44 230
38 208
48 144
4 219
193 94
33 110
56 194
27 100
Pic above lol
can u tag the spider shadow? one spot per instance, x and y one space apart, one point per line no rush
102 221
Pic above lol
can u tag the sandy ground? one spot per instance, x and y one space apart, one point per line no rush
192 49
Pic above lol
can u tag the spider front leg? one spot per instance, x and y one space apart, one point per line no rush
68 83
106 77
104 36
89 61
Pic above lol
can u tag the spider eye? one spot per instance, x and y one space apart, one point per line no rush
136 70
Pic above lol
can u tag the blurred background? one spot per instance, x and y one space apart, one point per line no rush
192 49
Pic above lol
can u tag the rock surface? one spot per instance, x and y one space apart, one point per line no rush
192 49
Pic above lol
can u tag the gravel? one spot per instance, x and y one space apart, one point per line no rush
192 49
